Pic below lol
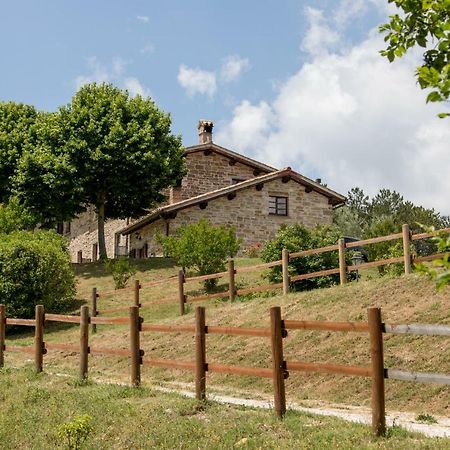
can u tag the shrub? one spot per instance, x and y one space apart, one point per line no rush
440 270
295 238
387 249
121 271
34 269
202 247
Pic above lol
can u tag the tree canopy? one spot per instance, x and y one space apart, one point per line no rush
16 120
425 23
105 149
362 215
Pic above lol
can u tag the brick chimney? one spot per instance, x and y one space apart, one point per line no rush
205 128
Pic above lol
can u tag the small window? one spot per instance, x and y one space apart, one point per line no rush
67 228
60 228
278 205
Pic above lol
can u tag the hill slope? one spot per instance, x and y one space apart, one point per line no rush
408 299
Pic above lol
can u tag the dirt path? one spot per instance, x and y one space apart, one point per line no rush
346 412
349 413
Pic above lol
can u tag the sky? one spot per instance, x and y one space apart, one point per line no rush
288 82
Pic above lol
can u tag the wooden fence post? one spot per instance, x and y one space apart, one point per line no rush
39 338
376 353
135 348
407 248
285 270
137 286
342 263
94 309
231 280
80 256
84 342
276 327
2 333
181 296
200 353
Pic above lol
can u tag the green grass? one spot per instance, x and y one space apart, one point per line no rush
33 408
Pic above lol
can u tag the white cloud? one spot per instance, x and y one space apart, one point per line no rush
348 9
99 72
233 66
352 119
143 19
320 37
250 126
197 81
134 87
113 73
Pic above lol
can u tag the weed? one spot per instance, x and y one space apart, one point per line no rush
426 418
74 433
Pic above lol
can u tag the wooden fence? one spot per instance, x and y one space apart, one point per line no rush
230 275
280 366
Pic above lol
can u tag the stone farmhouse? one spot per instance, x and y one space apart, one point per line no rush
224 186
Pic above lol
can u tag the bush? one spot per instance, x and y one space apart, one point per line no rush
440 269
295 238
121 271
35 269
202 247
387 249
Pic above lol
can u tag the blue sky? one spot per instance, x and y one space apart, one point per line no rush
295 83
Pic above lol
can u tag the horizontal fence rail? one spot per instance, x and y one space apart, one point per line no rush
183 298
418 329
420 377
275 334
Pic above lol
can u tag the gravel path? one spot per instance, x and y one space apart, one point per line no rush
349 413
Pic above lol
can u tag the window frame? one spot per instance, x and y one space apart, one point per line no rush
278 209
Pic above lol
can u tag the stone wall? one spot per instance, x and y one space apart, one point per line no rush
206 173
248 213
83 235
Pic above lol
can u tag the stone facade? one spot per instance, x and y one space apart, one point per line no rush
83 237
208 172
247 213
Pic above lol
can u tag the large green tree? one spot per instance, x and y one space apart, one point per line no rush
16 121
105 149
425 23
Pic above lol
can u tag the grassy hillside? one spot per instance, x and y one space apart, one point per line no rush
403 300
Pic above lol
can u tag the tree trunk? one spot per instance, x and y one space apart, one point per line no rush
101 232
